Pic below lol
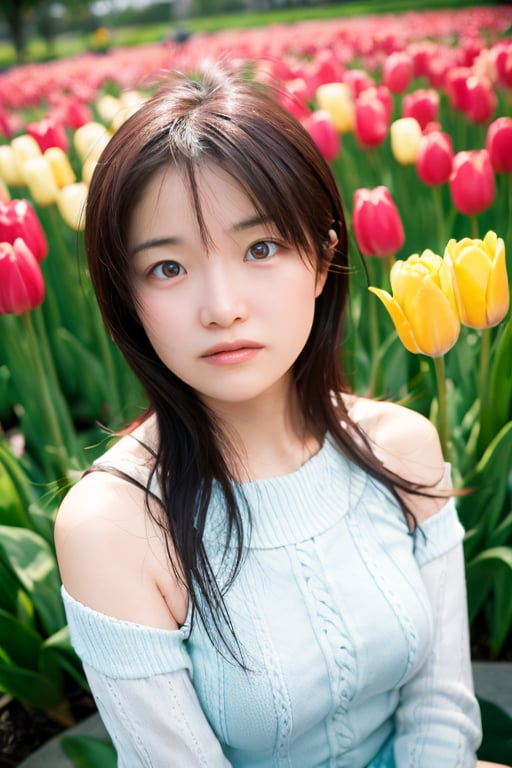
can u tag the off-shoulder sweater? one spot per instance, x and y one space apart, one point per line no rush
353 631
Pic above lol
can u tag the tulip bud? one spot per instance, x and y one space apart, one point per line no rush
10 169
377 224
48 132
25 148
481 100
107 107
61 168
405 135
422 306
19 219
472 183
479 272
40 181
71 204
423 105
337 100
90 140
397 71
499 143
373 116
435 158
324 134
21 279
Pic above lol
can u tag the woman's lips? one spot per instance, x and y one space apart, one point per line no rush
230 353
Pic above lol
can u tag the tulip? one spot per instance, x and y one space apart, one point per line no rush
40 181
71 204
21 279
107 107
372 118
321 129
423 105
60 166
422 307
435 158
48 132
10 169
19 219
499 144
377 224
358 80
90 140
337 100
25 148
472 184
397 71
405 135
480 279
481 100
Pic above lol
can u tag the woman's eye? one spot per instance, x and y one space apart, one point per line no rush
167 269
262 250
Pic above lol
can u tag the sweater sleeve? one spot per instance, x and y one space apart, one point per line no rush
438 720
141 680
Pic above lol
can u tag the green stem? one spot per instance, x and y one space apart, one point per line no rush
474 227
444 433
483 373
440 217
54 435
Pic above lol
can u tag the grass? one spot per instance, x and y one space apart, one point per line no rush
72 45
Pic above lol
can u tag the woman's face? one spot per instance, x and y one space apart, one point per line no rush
230 318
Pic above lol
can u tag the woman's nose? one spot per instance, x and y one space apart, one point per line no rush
222 302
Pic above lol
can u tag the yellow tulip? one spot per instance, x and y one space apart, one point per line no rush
422 307
25 147
337 99
405 135
71 204
40 180
90 140
61 167
10 169
479 273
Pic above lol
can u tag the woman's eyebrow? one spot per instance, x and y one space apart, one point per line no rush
253 221
156 242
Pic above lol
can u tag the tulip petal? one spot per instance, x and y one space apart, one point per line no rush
434 323
472 272
498 295
402 325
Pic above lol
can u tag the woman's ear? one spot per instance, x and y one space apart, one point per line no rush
329 246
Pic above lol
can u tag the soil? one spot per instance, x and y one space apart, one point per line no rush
23 731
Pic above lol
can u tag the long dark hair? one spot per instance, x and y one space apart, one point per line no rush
228 120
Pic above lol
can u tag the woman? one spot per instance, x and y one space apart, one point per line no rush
265 570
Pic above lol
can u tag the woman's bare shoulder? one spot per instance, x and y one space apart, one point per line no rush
406 442
112 554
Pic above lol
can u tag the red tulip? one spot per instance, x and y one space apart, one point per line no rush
423 105
48 132
435 158
21 279
321 129
397 71
358 80
19 219
373 116
481 100
472 183
502 55
377 223
499 144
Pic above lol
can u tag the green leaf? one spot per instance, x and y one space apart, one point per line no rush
497 734
30 686
89 751
33 562
58 647
19 642
490 572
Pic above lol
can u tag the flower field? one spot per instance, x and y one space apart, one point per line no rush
414 113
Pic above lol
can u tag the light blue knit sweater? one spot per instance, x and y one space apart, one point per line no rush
354 634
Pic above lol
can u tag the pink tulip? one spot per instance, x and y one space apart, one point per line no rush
481 100
397 72
21 279
499 144
358 81
321 129
19 219
377 224
423 105
48 132
472 184
435 158
373 116
502 55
